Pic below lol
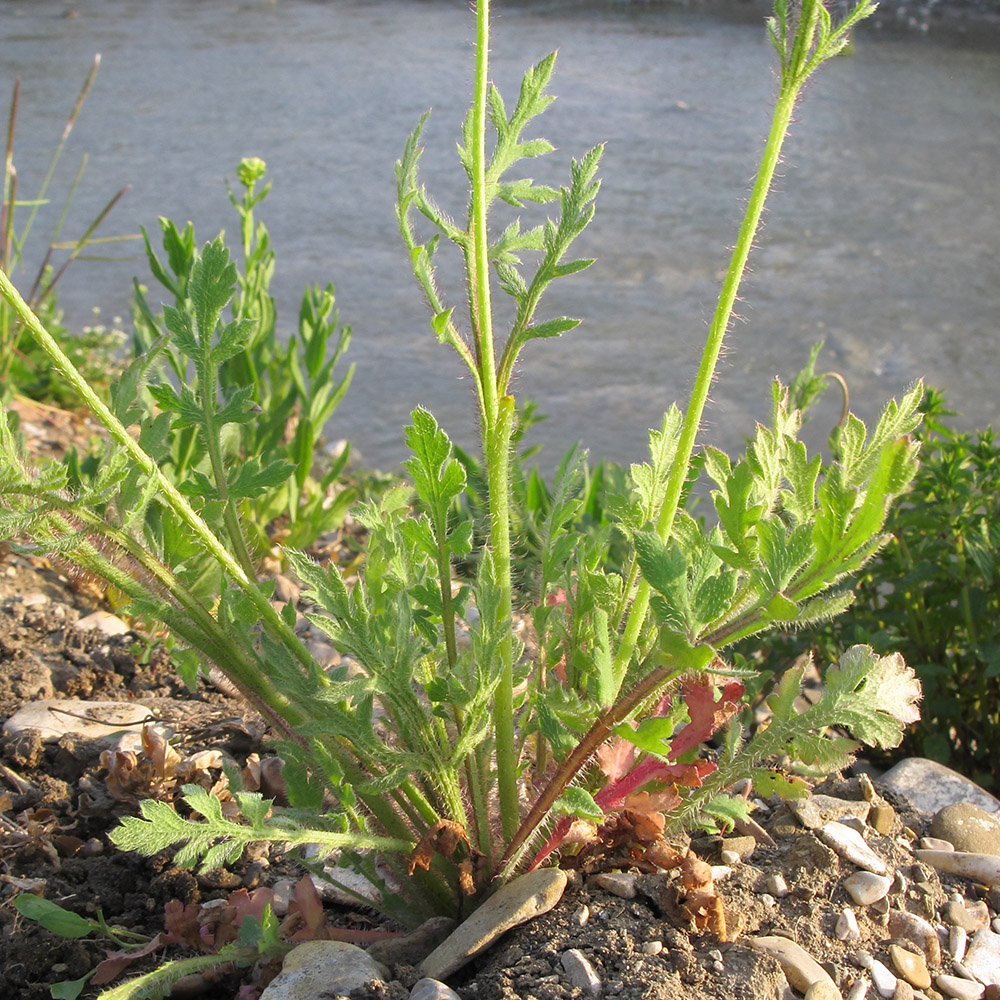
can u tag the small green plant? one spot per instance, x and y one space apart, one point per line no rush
933 594
455 754
22 361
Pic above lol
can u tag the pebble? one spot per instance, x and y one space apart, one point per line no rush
652 947
514 904
777 886
983 868
823 990
859 989
847 925
911 927
105 622
911 966
351 884
960 989
850 845
580 971
817 810
431 989
323 968
983 956
54 718
958 939
582 915
800 968
970 915
935 844
968 827
903 991
929 786
865 888
620 884
882 977
882 818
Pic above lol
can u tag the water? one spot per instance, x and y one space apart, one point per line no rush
882 236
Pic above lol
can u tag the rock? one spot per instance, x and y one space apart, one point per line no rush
983 957
958 939
55 717
984 868
514 904
911 927
851 846
285 589
431 989
581 973
865 888
859 989
777 886
903 991
970 915
822 990
323 653
652 947
929 786
617 883
816 810
800 968
882 818
412 948
103 621
882 977
742 847
847 926
350 885
911 966
968 827
935 844
960 989
317 970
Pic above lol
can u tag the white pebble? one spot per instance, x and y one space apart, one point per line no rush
859 989
958 938
777 886
960 989
866 888
851 846
847 925
582 915
652 947
581 973
885 981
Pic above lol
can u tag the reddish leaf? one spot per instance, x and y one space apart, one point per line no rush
117 961
707 714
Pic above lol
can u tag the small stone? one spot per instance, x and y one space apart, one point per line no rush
929 786
412 948
777 886
866 888
903 991
823 990
912 967
431 989
968 827
899 884
742 847
884 980
617 883
581 973
882 818
859 989
911 927
958 939
322 968
34 599
582 915
983 868
960 989
820 809
349 885
850 845
514 904
729 857
958 913
847 925
721 872
103 621
800 968
323 653
284 589
54 718
652 947
983 956
935 844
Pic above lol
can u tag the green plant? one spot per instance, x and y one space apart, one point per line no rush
22 362
438 725
933 594
287 391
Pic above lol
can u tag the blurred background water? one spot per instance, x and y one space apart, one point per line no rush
882 236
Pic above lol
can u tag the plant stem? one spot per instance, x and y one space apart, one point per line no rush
710 356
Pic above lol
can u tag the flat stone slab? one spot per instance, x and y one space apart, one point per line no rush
929 786
55 717
516 903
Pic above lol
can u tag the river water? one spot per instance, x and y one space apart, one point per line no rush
882 236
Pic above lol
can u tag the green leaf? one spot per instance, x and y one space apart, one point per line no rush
577 802
52 916
70 989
